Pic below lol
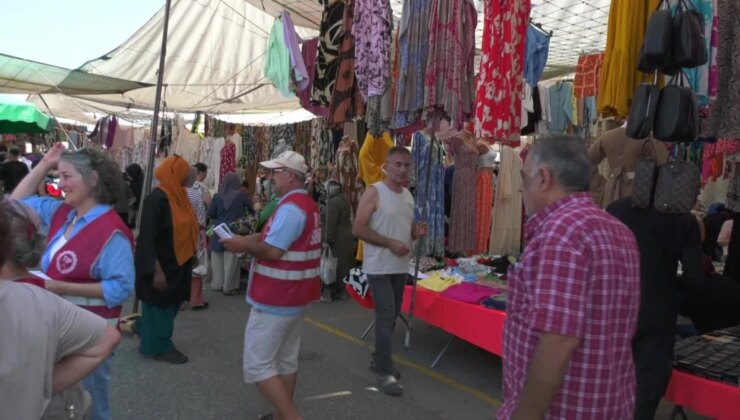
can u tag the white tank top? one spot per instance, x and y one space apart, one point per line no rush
487 160
393 218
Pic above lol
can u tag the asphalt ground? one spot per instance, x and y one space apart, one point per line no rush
334 381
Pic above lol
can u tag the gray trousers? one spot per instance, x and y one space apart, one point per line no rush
387 290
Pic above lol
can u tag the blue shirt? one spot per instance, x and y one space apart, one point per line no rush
114 267
287 225
561 107
536 49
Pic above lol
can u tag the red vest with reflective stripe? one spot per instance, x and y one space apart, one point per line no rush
73 263
293 280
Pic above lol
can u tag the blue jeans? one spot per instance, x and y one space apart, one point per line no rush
98 385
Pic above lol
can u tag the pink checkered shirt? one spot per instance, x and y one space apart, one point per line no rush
579 276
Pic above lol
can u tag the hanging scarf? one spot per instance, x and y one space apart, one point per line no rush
172 174
229 189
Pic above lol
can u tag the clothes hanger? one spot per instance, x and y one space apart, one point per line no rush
540 28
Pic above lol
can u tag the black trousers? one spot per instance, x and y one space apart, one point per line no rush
653 354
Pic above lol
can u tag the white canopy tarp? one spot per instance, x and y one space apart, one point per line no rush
216 52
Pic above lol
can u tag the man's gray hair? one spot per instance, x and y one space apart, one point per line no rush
566 157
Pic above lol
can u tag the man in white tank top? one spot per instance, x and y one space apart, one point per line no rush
385 222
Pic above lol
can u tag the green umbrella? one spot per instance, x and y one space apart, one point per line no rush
22 118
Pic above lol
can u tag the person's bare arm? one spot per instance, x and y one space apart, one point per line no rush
361 227
76 367
29 185
546 372
253 246
89 290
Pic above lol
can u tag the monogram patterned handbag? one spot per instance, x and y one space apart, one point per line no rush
677 188
645 175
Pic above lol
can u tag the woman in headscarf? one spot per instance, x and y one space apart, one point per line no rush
227 206
89 253
165 249
337 233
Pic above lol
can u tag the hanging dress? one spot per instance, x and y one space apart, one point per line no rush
347 169
346 100
484 200
506 230
413 49
449 78
498 95
462 215
327 62
433 205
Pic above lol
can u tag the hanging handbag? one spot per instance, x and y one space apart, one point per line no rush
657 44
689 42
642 110
677 116
645 176
678 187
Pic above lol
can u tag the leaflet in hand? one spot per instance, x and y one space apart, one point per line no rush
223 231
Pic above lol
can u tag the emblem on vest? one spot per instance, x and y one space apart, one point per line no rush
66 262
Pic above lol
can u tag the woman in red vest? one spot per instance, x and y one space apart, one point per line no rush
165 248
89 251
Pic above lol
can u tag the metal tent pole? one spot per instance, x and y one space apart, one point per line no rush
155 124
407 339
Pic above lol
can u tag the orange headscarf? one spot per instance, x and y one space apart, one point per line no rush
171 174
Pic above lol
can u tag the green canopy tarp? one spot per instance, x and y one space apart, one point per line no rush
23 118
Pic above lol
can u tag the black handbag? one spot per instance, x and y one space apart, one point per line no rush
658 43
689 42
646 173
678 187
677 116
642 111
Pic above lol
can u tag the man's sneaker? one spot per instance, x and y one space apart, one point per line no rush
173 356
374 369
389 385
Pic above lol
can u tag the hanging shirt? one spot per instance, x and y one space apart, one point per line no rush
277 65
299 74
561 107
536 50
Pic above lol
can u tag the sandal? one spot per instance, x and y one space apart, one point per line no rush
201 307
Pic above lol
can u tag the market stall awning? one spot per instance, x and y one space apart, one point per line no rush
18 118
216 52
18 75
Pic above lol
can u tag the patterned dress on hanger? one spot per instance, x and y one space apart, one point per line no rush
449 79
347 169
462 215
327 62
434 242
346 100
500 81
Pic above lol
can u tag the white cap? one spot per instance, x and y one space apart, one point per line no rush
288 159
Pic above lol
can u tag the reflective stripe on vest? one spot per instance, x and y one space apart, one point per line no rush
96 306
301 256
292 275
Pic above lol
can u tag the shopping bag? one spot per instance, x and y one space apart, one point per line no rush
328 268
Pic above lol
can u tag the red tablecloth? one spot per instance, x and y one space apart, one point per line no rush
708 398
476 324
484 328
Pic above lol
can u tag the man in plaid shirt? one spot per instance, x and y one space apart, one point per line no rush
573 298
